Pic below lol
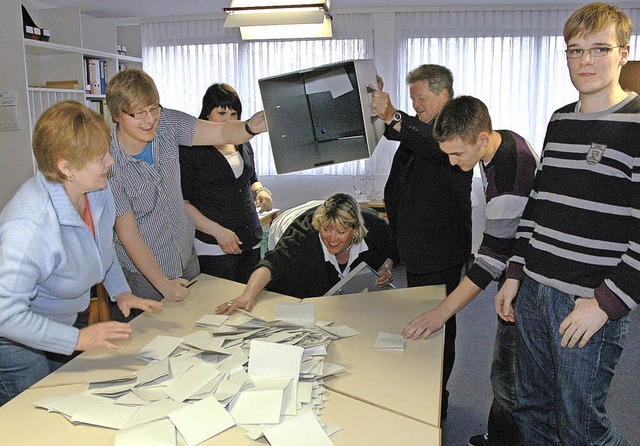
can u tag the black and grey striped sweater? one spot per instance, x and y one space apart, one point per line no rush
580 230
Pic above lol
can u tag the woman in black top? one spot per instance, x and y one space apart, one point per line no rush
221 188
319 248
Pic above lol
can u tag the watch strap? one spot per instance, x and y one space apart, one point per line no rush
397 118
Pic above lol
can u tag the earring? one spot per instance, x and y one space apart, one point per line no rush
70 177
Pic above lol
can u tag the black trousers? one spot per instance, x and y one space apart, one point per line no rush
450 278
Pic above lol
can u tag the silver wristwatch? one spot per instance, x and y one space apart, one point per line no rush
397 118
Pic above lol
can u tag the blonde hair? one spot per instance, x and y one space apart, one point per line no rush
340 210
71 132
129 91
596 17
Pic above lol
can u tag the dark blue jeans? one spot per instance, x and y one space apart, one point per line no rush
503 430
21 367
561 391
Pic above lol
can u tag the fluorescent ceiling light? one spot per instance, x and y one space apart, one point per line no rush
262 19
301 31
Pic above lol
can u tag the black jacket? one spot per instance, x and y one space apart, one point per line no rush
297 262
428 201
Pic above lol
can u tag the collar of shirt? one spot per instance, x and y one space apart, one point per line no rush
67 214
121 156
356 250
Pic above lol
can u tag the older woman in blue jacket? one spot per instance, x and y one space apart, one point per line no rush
56 242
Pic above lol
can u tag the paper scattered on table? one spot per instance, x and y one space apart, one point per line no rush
298 313
257 407
160 347
242 370
269 359
341 331
201 420
158 433
301 430
389 341
211 320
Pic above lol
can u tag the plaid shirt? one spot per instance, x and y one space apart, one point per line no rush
154 195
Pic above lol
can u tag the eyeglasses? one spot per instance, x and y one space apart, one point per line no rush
599 51
153 111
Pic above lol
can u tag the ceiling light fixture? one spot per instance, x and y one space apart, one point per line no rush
262 19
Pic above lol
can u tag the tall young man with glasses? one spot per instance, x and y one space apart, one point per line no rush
578 249
154 233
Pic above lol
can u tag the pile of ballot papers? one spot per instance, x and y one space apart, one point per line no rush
264 376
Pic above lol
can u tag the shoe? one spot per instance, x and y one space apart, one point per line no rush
479 440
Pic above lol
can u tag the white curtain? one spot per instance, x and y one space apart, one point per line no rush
511 59
185 57
514 61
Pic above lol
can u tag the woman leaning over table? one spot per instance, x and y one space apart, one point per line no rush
56 242
217 186
318 249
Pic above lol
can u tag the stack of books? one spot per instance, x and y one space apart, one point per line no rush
96 75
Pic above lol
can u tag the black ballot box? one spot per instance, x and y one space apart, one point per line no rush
321 116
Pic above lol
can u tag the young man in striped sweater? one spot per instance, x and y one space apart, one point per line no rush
578 247
465 134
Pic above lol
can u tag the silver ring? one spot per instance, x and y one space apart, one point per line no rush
228 303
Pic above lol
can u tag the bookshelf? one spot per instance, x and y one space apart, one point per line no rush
37 68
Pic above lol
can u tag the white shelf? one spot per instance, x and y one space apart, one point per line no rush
122 57
54 90
40 48
35 62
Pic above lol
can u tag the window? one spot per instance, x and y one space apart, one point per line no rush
183 73
523 80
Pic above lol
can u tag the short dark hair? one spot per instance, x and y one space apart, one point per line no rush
463 117
220 95
439 78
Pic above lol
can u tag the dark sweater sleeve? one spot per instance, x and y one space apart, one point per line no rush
416 136
378 239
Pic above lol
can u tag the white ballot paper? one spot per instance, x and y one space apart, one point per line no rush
335 81
301 430
160 347
257 407
158 433
298 313
202 420
212 320
267 359
389 341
